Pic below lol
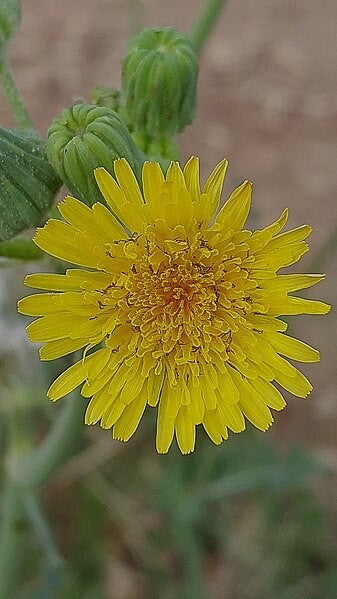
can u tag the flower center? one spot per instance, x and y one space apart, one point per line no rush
183 297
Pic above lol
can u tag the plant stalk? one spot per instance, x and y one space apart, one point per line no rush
20 249
10 539
204 23
13 96
37 467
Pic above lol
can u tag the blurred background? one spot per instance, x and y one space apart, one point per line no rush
255 518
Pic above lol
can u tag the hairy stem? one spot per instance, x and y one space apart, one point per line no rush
42 531
204 23
13 96
20 249
64 438
10 540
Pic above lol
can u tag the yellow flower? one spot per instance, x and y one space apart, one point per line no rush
180 302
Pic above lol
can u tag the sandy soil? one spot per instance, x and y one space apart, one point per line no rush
267 100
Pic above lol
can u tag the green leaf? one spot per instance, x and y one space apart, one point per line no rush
28 183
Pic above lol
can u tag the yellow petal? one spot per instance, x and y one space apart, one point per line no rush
268 394
113 410
175 176
105 224
129 420
154 387
76 213
234 213
97 406
214 426
297 305
128 183
63 241
185 431
153 180
61 347
232 416
40 304
252 405
227 391
213 186
261 322
293 282
197 405
129 212
67 381
50 281
292 348
192 177
165 425
298 384
53 326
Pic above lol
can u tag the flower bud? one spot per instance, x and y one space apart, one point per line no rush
159 79
28 183
106 96
85 137
10 15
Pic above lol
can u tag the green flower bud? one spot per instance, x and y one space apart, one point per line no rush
159 79
85 137
10 15
106 96
28 183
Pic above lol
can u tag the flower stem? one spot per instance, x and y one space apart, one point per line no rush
204 23
10 539
13 96
191 559
42 531
20 249
37 467
26 473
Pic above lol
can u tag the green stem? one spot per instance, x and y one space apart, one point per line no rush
191 560
13 96
10 540
36 468
20 249
42 531
204 23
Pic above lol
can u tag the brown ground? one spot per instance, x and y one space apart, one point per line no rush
267 100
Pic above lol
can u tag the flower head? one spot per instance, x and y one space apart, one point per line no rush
175 305
159 81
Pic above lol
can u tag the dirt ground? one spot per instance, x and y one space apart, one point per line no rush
267 100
